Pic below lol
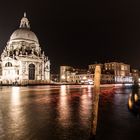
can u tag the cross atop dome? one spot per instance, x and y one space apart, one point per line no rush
24 23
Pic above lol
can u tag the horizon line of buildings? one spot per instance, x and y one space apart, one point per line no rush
111 73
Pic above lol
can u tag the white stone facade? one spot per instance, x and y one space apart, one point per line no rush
22 60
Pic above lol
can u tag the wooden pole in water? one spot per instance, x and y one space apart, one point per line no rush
97 76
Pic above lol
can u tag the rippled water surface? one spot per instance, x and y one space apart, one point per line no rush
64 113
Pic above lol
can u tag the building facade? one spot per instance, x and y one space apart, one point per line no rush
120 71
65 73
113 72
22 60
135 74
71 75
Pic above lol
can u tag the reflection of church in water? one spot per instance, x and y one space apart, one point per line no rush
22 60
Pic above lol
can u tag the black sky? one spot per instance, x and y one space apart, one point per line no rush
78 32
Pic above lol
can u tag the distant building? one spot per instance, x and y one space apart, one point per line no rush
81 76
22 60
92 67
112 72
69 74
135 74
65 72
120 71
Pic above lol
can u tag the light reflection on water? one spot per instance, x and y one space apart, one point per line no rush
1 121
64 113
15 96
134 102
63 107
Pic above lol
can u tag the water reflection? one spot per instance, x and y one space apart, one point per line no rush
85 105
15 96
134 101
64 113
14 124
1 120
63 108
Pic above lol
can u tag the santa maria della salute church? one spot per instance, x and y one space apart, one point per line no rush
22 60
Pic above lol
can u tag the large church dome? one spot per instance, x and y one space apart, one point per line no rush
24 33
23 41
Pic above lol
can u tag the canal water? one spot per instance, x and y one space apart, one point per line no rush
64 113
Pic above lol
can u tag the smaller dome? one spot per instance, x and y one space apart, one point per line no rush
24 34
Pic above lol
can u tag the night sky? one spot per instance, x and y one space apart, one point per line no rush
78 32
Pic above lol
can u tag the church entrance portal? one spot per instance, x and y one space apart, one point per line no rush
31 72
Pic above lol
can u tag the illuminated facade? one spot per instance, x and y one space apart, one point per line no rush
65 72
22 60
135 74
91 67
120 71
71 75
113 72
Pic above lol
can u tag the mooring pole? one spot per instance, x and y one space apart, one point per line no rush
97 76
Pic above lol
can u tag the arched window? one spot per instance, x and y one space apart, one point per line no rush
31 72
8 64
